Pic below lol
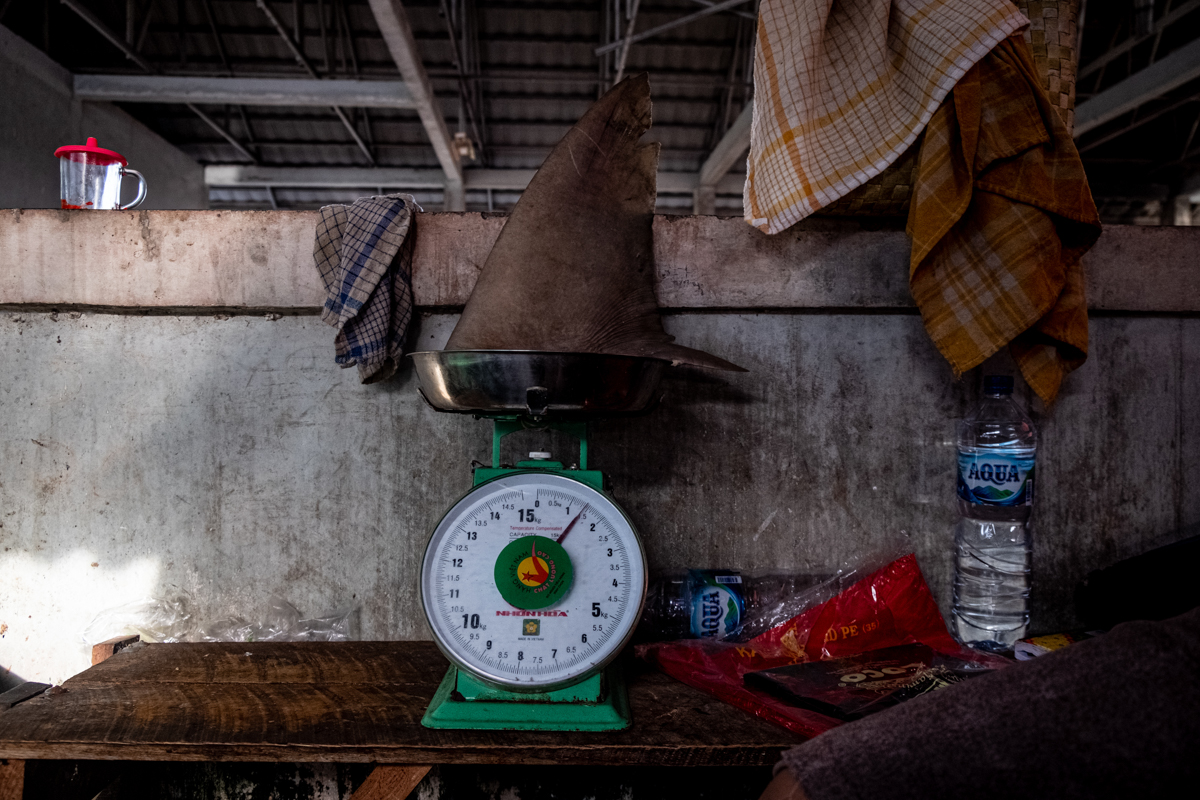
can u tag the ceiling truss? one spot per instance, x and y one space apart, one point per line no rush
441 90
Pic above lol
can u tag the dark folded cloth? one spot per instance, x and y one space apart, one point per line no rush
1115 716
364 254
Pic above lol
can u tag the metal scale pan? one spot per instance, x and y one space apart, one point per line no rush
537 383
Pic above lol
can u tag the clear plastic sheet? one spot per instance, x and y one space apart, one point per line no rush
171 619
888 607
767 598
786 596
155 619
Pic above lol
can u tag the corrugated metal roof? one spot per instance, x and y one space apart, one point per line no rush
537 73
533 66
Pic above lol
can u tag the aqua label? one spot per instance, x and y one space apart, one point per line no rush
717 602
995 479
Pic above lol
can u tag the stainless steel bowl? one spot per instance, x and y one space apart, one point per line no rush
537 383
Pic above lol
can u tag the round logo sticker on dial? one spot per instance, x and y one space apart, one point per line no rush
533 572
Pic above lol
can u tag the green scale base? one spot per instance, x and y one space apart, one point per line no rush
599 703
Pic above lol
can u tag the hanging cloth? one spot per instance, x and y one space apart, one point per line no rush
364 254
842 89
1000 217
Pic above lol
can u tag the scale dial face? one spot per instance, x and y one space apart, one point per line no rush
533 581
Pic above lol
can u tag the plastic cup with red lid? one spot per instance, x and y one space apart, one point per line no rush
91 177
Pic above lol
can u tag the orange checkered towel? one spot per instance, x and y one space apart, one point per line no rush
1000 216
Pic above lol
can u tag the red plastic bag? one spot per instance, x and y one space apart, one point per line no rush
890 607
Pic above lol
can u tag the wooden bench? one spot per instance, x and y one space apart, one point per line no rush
354 702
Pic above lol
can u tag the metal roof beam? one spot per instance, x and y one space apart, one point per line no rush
733 145
232 175
1141 120
666 26
324 177
248 91
308 67
628 40
91 19
743 14
1170 72
1134 41
397 34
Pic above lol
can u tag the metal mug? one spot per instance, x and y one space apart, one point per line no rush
91 178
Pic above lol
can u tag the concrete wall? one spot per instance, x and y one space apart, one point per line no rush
38 114
229 459
148 454
172 424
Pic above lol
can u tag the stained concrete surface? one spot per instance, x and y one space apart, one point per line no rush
229 458
199 260
38 114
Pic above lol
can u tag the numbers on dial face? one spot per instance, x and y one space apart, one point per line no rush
539 648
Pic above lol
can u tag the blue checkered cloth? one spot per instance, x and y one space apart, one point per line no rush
364 254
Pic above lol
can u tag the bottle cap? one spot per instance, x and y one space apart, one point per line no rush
997 384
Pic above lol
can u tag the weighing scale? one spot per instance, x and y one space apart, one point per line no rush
533 582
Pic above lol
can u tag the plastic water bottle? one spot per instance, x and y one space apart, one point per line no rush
702 604
726 604
997 446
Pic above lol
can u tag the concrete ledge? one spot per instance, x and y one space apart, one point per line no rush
263 259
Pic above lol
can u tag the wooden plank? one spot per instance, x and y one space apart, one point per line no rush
12 779
107 649
251 260
371 663
19 694
390 783
353 702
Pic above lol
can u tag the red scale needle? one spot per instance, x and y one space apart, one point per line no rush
570 525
